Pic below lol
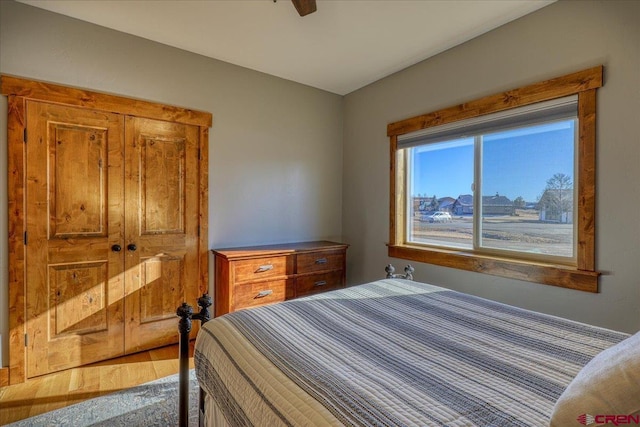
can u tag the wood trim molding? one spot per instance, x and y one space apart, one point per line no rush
4 377
203 231
537 92
16 181
587 180
565 277
50 92
393 201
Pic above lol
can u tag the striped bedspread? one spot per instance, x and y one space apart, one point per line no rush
392 353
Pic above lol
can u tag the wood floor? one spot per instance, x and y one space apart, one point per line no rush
60 389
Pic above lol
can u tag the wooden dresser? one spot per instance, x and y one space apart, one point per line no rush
257 275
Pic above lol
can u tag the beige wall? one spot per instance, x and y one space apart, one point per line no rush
275 146
559 39
276 168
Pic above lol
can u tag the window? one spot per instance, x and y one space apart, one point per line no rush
508 191
502 184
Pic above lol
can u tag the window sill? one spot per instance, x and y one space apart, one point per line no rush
548 274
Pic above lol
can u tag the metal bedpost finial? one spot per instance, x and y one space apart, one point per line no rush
184 312
408 270
390 270
204 302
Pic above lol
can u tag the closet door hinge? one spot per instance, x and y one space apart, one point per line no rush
25 238
26 340
24 136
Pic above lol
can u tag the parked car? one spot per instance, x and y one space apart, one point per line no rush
439 216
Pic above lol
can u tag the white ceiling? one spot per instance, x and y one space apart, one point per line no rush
342 47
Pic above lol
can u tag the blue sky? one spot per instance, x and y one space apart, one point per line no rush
515 163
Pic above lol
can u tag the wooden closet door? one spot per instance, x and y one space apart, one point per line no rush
161 204
74 215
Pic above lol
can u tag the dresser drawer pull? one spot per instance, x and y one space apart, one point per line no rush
264 268
320 283
263 294
321 261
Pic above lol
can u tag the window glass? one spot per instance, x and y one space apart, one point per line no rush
524 180
527 190
440 188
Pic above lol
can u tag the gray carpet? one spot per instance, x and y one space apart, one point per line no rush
150 404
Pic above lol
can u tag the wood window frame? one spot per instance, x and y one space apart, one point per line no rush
18 91
583 275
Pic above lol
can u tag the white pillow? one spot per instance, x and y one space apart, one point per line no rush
608 385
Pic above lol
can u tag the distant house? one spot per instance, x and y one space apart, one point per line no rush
445 204
497 205
491 205
463 205
556 206
421 204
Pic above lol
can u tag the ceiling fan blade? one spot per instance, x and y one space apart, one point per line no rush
304 7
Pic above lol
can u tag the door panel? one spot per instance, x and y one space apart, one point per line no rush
162 185
163 287
78 297
77 152
74 282
161 177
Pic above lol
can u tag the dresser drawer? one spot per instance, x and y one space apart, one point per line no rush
320 261
259 268
254 294
315 283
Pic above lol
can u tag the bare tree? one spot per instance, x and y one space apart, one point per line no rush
558 196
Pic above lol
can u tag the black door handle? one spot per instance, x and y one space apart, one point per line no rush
116 248
132 247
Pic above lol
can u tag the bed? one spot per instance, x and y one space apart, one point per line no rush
397 352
